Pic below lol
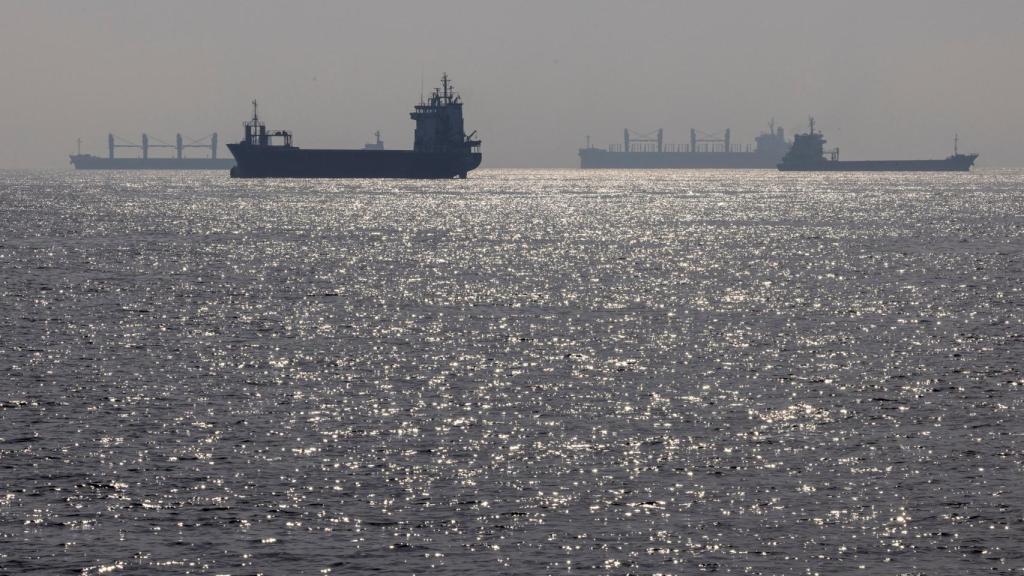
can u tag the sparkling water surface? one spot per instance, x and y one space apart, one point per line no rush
527 372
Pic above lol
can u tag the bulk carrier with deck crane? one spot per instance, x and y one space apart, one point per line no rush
147 161
705 150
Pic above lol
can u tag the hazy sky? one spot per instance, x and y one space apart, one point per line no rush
884 78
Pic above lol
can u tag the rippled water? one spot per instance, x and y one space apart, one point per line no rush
527 372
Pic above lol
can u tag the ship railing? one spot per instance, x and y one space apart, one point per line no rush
281 138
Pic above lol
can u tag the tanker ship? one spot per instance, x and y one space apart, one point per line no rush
704 151
147 161
808 154
441 149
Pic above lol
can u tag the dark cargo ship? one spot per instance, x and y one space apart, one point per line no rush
441 149
808 154
148 162
704 151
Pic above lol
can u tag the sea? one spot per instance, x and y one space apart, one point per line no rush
525 372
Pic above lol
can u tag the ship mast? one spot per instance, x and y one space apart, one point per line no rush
956 144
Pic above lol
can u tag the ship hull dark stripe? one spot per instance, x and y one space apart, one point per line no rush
89 162
597 158
291 162
957 164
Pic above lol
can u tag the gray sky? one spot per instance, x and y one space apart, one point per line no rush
883 78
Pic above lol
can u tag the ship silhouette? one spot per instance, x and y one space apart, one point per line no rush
441 149
808 154
147 161
649 151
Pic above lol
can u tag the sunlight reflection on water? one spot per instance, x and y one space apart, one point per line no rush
524 372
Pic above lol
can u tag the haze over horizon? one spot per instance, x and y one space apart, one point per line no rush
883 79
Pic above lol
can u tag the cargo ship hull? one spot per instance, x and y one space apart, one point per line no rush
808 155
591 158
293 162
958 163
441 148
90 162
649 151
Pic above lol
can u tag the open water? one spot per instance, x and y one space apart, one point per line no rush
528 372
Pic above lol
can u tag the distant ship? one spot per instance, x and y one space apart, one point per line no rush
441 149
704 151
808 154
148 162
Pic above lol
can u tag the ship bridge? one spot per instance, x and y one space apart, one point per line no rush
439 123
256 133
